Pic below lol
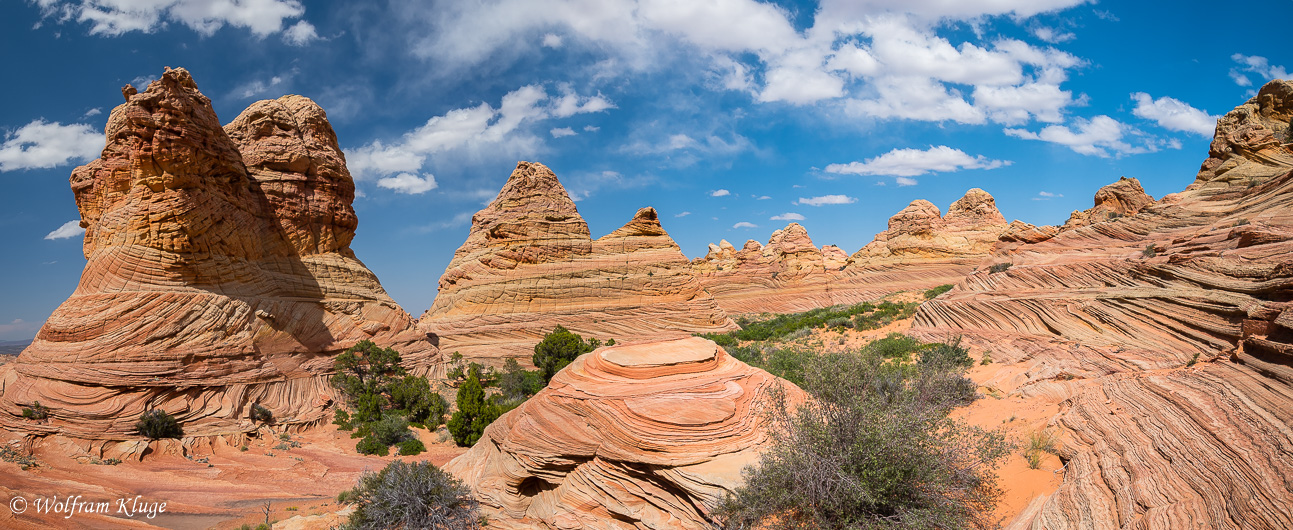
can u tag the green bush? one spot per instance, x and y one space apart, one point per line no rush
412 495
950 354
474 412
558 349
875 449
37 412
518 384
412 447
999 267
371 446
1150 251
413 397
380 400
935 292
157 424
1040 442
261 414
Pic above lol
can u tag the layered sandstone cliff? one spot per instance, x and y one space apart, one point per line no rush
651 435
920 249
529 265
218 274
1165 334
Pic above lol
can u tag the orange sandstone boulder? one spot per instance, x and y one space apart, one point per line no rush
529 265
213 280
651 435
1124 197
1166 336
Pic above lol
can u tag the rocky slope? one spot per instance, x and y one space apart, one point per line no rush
529 265
921 249
644 436
218 274
1165 332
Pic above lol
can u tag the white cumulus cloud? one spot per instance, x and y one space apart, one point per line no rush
826 199
408 183
719 193
41 144
552 40
69 229
788 216
912 162
1174 114
1097 136
558 132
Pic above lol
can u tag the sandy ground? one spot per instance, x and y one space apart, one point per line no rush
224 488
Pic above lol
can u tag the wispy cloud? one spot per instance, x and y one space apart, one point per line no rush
561 132
111 18
683 214
719 193
789 216
826 199
1046 196
1257 65
744 224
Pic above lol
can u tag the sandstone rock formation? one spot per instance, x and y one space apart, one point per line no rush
921 249
529 265
645 436
1124 197
218 274
1167 337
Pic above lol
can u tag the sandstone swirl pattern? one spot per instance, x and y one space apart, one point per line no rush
218 273
1108 314
529 265
921 249
643 436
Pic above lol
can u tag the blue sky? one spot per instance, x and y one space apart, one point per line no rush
731 117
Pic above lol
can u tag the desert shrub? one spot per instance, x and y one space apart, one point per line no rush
412 495
260 414
558 349
839 322
36 412
948 353
380 399
1150 251
999 267
157 424
875 449
935 292
474 413
370 446
1193 360
413 397
894 346
1040 442
987 358
722 339
518 384
412 447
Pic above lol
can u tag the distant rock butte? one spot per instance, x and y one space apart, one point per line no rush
1110 318
218 274
1124 197
529 265
921 249
644 436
